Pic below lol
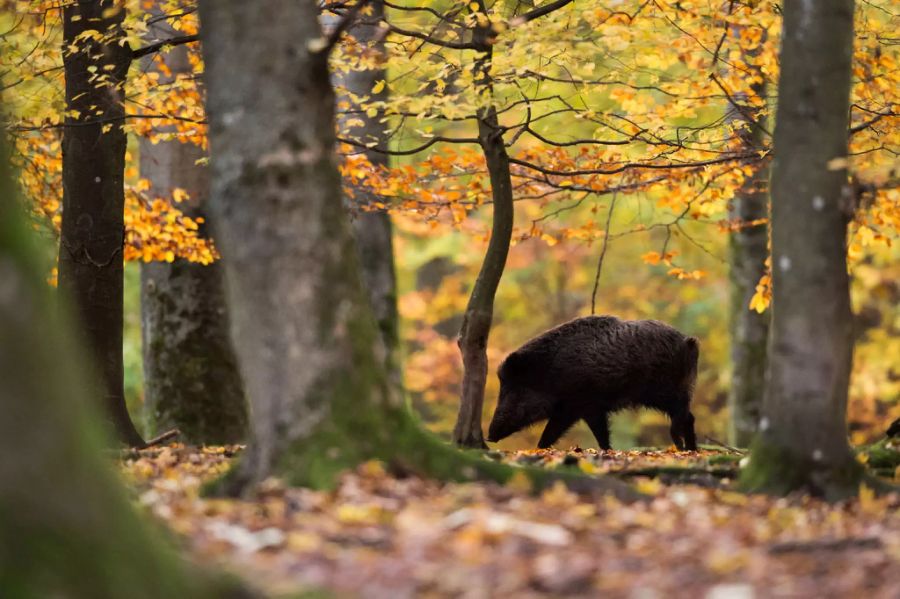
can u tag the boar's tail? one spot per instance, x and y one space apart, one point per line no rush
691 357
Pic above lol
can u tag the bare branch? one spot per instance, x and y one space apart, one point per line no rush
609 214
416 150
540 11
433 40
164 44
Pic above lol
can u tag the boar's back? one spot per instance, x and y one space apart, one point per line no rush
603 354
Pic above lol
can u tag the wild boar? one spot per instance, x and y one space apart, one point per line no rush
894 429
590 367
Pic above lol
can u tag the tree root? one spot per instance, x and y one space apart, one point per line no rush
826 545
160 439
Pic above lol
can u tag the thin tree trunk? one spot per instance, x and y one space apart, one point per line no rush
372 229
93 232
476 327
749 250
309 349
191 378
803 440
66 526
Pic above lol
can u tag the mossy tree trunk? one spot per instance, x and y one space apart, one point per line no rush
479 314
66 527
748 253
372 230
309 348
191 378
803 434
93 230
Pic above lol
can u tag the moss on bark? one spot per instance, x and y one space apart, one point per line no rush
66 526
778 470
191 373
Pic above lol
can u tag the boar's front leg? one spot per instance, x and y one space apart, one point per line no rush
560 421
599 425
682 431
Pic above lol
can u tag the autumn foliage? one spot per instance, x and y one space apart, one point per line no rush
621 134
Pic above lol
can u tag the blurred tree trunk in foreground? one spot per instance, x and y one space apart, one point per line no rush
803 433
67 529
309 348
191 378
91 267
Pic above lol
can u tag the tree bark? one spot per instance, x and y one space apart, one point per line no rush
372 230
93 232
749 250
191 378
309 349
66 526
479 315
803 440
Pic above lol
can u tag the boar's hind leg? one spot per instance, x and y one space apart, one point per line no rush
560 421
599 425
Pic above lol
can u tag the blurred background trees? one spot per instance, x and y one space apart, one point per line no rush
661 88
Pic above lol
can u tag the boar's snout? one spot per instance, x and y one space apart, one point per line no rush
499 429
503 423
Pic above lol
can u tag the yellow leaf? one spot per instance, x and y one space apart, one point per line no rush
358 514
648 486
519 482
587 467
379 85
867 500
838 164
179 195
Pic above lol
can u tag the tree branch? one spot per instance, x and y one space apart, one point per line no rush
739 107
343 25
609 214
540 11
416 150
168 43
634 165
433 40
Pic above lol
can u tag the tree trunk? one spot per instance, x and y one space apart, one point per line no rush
803 440
749 250
309 349
191 379
372 229
93 232
476 327
66 527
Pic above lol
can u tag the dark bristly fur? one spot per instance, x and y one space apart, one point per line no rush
894 429
590 367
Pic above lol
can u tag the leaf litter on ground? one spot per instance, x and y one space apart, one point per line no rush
377 535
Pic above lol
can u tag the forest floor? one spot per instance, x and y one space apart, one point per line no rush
384 537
